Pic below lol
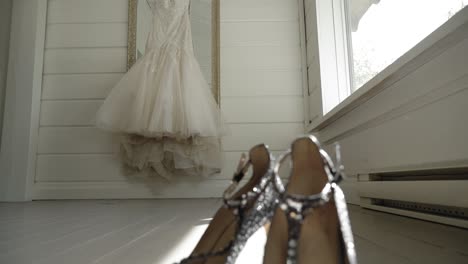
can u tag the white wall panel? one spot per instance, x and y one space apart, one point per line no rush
278 136
241 82
86 35
72 140
258 10
79 168
429 137
106 168
260 33
271 109
85 57
87 11
266 109
69 113
260 57
78 86
85 60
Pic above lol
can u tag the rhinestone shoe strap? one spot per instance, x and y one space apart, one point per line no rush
236 205
297 207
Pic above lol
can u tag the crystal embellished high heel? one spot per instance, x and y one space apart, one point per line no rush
244 211
311 223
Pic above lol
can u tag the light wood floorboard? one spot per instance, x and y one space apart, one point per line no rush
164 231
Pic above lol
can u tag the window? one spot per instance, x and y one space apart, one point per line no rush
369 35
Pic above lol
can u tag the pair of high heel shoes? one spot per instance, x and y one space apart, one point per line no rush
308 219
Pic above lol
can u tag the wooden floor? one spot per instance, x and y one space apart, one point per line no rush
163 231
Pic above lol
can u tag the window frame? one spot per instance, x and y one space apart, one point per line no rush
333 32
431 46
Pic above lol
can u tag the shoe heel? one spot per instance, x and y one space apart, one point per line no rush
310 192
252 206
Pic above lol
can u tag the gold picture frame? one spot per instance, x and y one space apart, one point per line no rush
215 68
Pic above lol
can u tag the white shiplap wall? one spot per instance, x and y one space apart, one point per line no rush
200 18
85 56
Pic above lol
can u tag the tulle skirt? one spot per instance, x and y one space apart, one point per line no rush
167 115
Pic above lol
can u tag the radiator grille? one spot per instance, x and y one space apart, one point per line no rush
447 211
448 174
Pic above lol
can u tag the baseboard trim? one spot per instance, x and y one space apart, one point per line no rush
128 190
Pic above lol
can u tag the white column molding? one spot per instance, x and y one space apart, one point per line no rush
22 104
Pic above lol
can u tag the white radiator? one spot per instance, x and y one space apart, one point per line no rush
434 195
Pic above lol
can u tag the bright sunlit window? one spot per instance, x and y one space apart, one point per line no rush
382 31
358 39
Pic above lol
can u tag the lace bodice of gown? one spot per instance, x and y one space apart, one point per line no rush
171 25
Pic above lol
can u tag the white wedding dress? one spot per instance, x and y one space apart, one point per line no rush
163 106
